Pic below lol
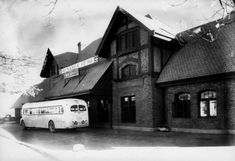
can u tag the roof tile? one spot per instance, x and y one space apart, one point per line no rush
202 58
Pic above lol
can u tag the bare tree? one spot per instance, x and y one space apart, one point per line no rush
211 33
17 68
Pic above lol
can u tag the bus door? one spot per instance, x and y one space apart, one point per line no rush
28 115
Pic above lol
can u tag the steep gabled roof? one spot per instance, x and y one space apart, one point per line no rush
159 29
66 59
204 54
89 51
79 85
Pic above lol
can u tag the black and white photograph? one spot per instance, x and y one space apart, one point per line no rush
117 80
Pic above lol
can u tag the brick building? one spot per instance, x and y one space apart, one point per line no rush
148 76
91 83
200 78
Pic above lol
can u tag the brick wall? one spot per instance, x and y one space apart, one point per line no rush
147 106
195 121
144 57
143 36
148 97
230 104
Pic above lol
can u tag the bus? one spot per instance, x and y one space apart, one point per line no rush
56 114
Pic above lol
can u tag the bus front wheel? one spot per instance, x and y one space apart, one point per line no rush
23 125
51 126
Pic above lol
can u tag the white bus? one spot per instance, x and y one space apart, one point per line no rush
57 114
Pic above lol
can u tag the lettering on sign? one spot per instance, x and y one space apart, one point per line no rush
71 73
80 64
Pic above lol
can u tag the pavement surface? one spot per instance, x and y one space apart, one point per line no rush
104 139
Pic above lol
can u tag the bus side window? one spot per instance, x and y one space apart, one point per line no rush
43 111
61 110
38 111
33 111
25 112
30 111
82 108
58 109
46 110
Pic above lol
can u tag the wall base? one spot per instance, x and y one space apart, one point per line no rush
204 131
188 130
135 128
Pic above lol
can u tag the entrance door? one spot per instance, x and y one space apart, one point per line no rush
103 110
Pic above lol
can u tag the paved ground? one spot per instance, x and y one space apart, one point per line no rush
107 138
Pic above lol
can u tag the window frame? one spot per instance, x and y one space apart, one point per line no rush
207 100
130 110
132 71
181 108
122 46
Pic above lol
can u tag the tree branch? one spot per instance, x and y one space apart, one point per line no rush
53 4
178 4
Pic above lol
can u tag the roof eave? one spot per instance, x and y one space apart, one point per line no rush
218 76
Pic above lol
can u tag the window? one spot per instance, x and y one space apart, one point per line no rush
128 40
26 112
128 71
181 106
44 110
82 108
128 113
208 104
74 108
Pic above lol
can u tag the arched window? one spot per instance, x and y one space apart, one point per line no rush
208 104
128 71
181 106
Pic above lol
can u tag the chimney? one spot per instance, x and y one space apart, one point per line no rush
79 47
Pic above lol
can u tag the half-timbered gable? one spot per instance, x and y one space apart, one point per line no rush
128 42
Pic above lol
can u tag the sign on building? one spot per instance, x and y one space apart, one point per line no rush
72 70
71 73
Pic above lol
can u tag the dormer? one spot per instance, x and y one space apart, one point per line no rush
50 66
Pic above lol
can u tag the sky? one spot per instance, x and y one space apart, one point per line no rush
28 28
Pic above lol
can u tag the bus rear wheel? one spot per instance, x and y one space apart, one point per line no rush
51 126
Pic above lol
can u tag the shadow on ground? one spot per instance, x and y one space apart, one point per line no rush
99 139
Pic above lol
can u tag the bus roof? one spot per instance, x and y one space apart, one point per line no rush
53 102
